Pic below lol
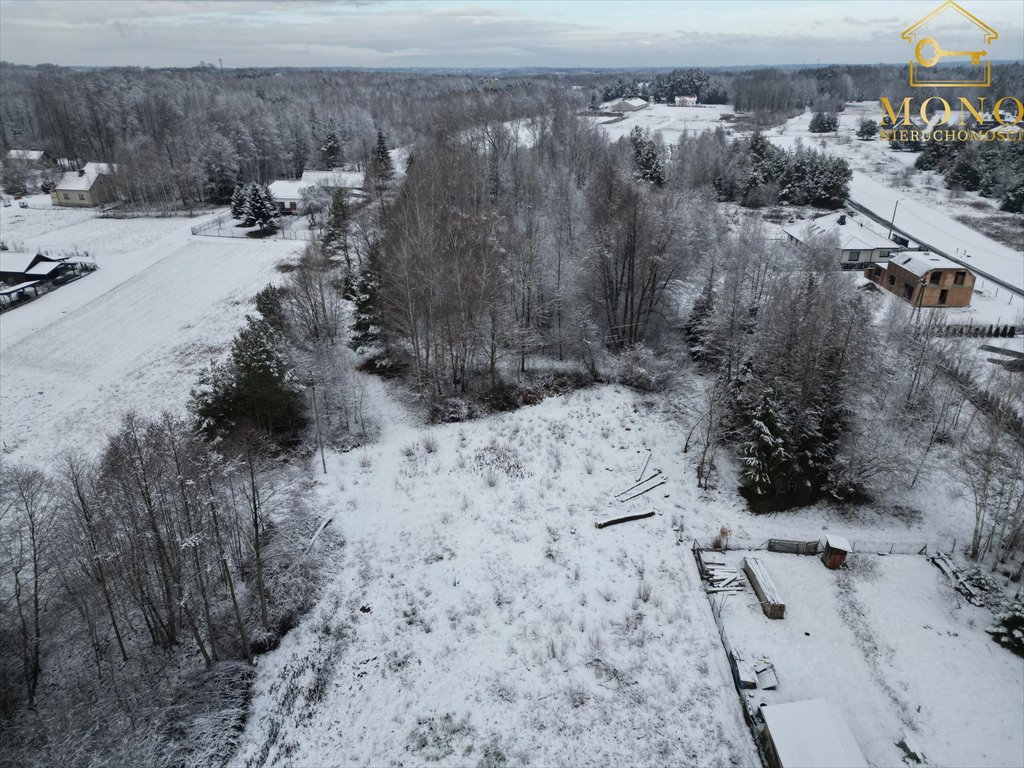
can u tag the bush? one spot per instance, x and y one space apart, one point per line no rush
1008 630
638 367
824 122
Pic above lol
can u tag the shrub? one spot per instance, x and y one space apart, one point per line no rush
1008 630
638 367
824 122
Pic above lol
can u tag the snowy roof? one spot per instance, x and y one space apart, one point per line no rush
812 734
635 101
922 262
42 269
25 154
79 181
332 178
108 169
287 189
11 261
853 234
838 542
18 287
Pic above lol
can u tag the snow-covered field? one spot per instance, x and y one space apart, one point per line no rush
131 335
478 612
671 122
894 648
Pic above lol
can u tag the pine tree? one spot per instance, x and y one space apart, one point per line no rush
868 129
238 199
380 169
645 153
330 147
824 122
367 331
335 237
252 388
764 455
259 208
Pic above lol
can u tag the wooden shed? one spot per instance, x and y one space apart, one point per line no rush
764 587
836 549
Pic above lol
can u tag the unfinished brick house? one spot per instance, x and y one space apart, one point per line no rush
924 279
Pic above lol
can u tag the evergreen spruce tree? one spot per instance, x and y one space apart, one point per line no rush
764 456
868 129
335 237
380 167
238 198
330 147
259 208
824 122
367 332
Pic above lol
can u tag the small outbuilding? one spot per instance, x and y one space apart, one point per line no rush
809 734
836 549
764 588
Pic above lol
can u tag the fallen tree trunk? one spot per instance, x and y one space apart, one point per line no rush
626 519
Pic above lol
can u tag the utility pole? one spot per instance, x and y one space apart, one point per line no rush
892 223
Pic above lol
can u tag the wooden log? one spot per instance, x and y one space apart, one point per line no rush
646 490
626 519
640 476
637 485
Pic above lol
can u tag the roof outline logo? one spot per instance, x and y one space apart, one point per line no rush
928 52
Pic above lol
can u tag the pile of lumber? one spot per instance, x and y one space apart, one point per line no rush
722 578
764 587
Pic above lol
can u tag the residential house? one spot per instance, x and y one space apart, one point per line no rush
925 279
288 193
859 245
87 187
686 101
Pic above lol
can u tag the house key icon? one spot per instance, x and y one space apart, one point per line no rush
938 53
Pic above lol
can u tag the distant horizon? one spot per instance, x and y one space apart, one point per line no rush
440 69
473 35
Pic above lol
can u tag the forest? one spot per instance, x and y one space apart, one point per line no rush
517 254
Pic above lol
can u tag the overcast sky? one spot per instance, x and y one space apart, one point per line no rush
474 33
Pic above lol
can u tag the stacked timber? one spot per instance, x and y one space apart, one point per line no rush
764 588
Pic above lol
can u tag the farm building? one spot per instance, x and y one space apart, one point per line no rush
809 734
836 549
859 246
925 279
15 266
30 157
18 268
19 292
628 105
764 587
87 187
686 101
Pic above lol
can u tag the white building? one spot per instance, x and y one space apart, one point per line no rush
859 245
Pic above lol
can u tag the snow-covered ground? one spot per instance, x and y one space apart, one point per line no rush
476 610
131 335
927 210
670 121
892 646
